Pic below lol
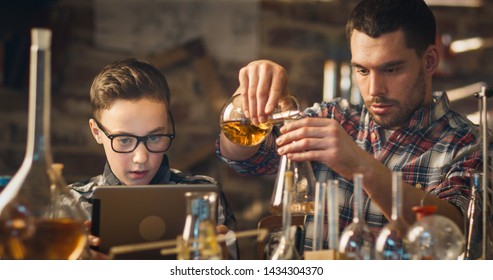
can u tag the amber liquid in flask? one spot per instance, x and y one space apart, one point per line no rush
39 219
245 133
239 129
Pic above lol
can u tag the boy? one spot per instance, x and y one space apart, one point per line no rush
131 118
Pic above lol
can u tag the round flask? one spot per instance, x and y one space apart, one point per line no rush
391 243
357 241
39 219
434 237
239 129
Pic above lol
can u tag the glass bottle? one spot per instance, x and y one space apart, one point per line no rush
240 130
39 219
286 249
304 186
391 243
357 241
199 233
434 237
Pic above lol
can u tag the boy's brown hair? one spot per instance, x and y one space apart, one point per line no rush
128 79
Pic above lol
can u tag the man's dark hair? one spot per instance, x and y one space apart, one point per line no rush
378 17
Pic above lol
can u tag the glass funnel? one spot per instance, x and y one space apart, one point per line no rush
240 130
357 241
39 219
434 237
391 243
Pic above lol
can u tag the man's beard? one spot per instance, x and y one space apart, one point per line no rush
402 111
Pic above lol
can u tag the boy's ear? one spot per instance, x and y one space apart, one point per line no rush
96 133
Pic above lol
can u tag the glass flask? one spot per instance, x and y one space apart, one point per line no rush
304 185
240 130
357 241
434 237
199 233
286 249
39 219
391 243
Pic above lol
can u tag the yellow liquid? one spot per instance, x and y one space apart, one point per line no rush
57 239
245 133
297 208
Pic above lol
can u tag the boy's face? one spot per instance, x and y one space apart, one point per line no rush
134 117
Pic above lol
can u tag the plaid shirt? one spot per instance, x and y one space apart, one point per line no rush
434 152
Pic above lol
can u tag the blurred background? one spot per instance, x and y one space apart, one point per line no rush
200 45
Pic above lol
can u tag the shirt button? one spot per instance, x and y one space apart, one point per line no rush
373 136
419 186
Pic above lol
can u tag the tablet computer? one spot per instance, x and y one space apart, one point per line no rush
125 215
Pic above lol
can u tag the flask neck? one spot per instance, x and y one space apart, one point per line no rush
396 196
38 138
358 199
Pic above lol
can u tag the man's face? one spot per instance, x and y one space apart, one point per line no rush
135 117
393 80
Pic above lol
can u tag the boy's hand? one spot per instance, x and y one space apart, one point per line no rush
222 229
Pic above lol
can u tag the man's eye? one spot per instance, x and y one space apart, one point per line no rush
391 70
363 72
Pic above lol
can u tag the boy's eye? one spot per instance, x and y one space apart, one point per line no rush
124 140
154 138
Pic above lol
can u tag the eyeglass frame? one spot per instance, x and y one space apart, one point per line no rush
143 139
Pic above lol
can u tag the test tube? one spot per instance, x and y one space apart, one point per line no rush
333 214
320 190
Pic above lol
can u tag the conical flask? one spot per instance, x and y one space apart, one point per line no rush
39 219
199 233
304 186
434 237
357 241
286 249
391 243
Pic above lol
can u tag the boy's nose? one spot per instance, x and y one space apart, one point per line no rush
140 154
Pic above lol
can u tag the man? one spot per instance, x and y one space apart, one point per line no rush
402 125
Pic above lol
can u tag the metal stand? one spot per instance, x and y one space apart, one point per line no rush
482 97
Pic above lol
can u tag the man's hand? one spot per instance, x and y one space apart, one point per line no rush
325 141
262 84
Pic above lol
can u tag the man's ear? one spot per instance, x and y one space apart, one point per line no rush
96 133
431 59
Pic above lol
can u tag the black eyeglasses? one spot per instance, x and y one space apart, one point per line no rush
126 143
